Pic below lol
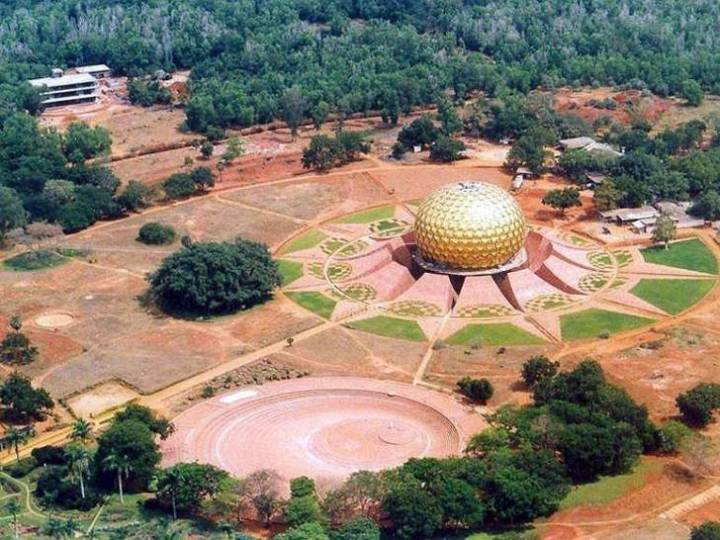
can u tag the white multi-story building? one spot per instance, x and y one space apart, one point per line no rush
61 89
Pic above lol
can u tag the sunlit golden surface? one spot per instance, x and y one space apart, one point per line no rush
469 226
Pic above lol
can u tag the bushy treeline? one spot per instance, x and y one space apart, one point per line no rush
48 176
351 56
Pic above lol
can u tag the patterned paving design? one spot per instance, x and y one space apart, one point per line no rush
369 263
361 292
484 312
336 271
549 302
601 260
388 228
415 308
623 257
352 249
591 283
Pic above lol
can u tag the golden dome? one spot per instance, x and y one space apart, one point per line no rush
469 226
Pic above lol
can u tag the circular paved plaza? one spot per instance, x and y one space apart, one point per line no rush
325 428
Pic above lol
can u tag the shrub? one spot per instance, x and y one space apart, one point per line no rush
538 368
446 149
697 404
156 234
207 278
23 467
34 260
179 186
479 390
49 455
710 530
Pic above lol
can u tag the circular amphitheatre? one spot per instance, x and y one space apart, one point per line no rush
325 427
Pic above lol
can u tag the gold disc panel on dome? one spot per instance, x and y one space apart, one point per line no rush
469 226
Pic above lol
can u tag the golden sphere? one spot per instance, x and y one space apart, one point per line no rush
469 226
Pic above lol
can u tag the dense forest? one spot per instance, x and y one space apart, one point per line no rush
252 60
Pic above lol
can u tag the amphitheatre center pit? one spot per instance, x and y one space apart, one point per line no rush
322 427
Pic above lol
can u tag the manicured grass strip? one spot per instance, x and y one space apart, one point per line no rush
305 241
609 488
40 259
593 322
368 216
290 271
390 327
316 302
672 295
688 254
493 334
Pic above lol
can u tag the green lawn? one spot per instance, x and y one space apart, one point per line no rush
313 301
290 271
672 295
688 254
307 240
368 216
493 334
609 488
39 259
593 322
390 327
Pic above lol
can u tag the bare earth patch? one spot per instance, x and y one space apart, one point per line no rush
101 398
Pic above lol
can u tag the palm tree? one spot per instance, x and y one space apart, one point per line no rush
16 438
13 508
79 463
81 430
175 479
119 464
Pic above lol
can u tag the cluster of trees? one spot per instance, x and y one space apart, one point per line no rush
325 152
124 458
45 176
208 278
146 93
698 404
424 134
186 184
16 348
675 164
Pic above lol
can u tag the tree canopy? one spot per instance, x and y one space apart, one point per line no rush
210 278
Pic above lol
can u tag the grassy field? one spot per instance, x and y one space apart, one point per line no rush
313 301
290 271
390 327
305 241
35 260
609 488
593 322
688 254
672 295
368 216
493 334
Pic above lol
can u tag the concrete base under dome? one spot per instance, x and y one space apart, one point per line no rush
518 260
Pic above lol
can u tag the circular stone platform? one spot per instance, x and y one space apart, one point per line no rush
54 320
325 428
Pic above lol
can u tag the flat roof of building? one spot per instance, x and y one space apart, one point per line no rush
65 80
95 68
631 214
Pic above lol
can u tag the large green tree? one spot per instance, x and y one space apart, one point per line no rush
215 277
